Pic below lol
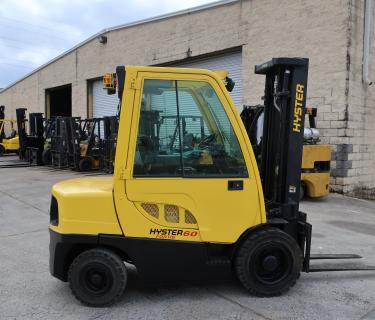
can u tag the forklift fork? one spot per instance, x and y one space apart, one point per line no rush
328 256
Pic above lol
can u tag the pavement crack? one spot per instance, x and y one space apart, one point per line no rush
23 202
21 233
240 305
367 314
97 316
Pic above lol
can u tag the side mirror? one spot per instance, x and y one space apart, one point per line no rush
229 84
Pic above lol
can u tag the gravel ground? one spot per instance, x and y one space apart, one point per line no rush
27 291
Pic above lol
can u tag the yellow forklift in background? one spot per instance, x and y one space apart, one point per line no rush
187 199
9 141
316 160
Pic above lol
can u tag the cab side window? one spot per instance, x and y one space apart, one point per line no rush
184 131
210 147
158 141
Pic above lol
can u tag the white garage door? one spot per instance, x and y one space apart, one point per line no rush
231 62
106 105
103 104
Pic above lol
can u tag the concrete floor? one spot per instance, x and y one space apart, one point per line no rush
27 291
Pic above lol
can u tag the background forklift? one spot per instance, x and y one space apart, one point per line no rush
315 157
9 141
110 126
60 143
49 131
87 144
32 144
177 216
316 161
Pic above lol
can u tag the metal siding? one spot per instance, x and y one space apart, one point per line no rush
232 62
106 105
103 104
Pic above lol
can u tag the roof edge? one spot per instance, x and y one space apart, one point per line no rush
124 26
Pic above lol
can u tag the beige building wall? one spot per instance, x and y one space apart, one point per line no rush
327 32
357 159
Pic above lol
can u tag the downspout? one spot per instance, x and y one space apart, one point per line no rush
366 42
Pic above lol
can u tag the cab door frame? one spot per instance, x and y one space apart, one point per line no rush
131 221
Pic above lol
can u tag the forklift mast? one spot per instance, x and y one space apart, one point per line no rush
30 145
21 128
2 116
74 128
283 128
110 126
95 137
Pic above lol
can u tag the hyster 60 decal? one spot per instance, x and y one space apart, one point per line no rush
172 233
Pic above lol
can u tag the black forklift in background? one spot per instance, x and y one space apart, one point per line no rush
49 132
32 144
2 116
60 143
110 126
86 150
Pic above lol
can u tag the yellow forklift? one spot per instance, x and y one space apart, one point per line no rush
9 141
85 151
316 161
316 157
189 203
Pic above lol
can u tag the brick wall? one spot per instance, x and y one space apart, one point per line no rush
356 157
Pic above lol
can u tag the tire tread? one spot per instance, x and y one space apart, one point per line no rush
107 254
242 257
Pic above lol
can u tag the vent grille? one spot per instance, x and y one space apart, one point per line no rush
151 208
171 213
189 218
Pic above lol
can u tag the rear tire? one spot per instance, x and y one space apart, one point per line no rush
302 192
268 263
85 164
97 277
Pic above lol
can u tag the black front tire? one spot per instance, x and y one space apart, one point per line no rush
268 263
302 192
97 277
85 165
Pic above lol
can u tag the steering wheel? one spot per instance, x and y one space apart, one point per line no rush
208 140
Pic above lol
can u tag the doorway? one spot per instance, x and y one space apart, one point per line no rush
59 101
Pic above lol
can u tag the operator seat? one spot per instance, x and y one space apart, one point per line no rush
146 150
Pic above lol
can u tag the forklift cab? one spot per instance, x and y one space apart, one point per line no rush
184 150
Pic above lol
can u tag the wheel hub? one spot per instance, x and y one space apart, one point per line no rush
270 263
96 279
